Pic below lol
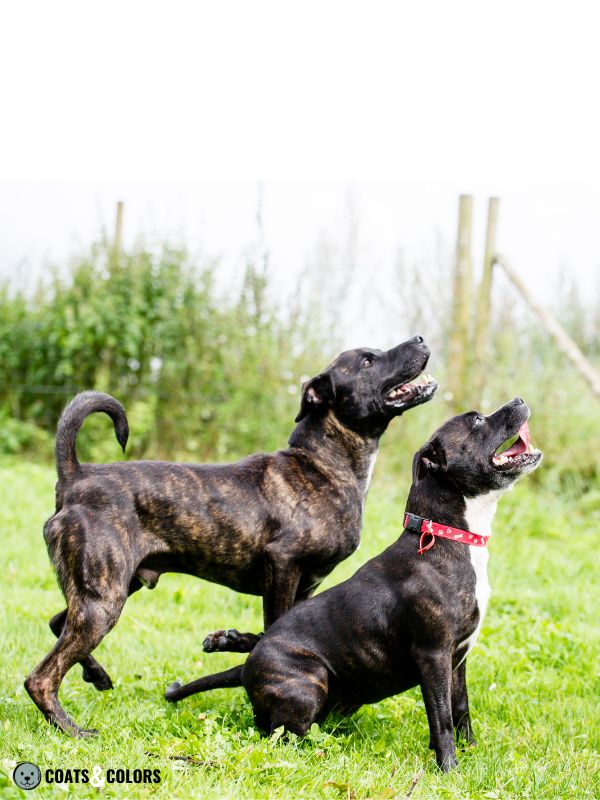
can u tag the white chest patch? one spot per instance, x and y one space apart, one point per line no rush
370 469
479 514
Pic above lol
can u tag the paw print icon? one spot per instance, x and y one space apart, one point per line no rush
27 775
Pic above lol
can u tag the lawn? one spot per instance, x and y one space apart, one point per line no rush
532 677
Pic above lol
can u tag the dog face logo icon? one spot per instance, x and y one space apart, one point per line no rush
27 775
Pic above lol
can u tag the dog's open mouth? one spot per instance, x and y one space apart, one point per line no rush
405 394
519 453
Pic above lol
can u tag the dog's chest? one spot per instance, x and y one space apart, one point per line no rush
479 560
479 515
369 475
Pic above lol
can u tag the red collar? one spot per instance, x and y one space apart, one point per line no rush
428 528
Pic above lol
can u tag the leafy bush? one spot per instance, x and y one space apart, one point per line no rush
17 436
199 372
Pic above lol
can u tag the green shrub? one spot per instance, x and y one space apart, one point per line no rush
201 373
17 437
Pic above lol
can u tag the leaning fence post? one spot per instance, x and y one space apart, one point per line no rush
481 345
564 342
461 306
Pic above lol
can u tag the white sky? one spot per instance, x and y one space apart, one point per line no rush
399 105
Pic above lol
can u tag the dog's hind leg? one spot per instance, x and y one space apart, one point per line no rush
461 718
220 680
93 672
293 698
87 622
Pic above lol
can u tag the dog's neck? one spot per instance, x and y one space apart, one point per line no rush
446 505
480 511
336 447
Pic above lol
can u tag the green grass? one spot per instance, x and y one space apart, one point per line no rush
532 677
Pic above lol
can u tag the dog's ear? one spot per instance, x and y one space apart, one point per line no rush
317 393
430 458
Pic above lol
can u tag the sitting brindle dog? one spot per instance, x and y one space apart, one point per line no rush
272 525
410 615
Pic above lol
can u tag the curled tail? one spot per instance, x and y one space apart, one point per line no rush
71 421
220 680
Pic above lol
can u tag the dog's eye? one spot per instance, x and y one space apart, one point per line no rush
479 420
367 362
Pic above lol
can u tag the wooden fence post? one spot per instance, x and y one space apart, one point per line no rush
481 345
558 333
458 349
118 244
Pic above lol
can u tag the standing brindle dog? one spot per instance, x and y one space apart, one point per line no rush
272 524
410 615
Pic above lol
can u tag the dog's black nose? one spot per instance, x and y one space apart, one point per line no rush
418 339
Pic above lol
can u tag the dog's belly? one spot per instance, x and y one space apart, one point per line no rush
248 581
373 686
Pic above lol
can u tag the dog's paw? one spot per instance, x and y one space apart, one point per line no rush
467 744
98 677
172 692
230 641
222 641
447 762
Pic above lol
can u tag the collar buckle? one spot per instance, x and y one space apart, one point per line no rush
412 522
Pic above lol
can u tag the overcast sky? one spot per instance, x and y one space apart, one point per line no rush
429 99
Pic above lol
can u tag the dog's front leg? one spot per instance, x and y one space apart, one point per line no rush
436 685
282 578
460 705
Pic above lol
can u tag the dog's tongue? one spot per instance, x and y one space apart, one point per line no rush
522 443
